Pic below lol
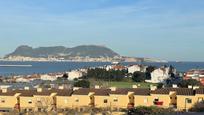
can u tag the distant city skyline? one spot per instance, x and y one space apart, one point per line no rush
165 29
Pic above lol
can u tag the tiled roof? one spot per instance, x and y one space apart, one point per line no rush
26 93
8 93
179 91
86 91
64 92
137 91
199 91
185 91
142 91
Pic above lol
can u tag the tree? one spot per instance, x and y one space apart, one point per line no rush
148 72
185 83
65 76
82 83
103 74
138 77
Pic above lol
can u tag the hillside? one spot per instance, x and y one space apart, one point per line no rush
81 51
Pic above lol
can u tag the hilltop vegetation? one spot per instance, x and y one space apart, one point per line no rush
81 51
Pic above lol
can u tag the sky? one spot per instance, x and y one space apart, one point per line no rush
166 29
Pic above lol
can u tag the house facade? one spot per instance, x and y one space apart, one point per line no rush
111 98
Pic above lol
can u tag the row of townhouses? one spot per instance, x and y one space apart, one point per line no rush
112 98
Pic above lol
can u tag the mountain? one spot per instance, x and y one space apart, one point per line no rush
80 51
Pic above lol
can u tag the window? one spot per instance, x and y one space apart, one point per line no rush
38 100
76 100
105 101
115 99
188 100
30 109
156 99
3 101
39 109
30 101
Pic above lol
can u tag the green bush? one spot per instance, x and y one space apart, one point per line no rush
82 83
152 110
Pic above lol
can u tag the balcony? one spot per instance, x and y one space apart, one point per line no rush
158 103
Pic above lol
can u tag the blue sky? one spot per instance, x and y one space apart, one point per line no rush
166 29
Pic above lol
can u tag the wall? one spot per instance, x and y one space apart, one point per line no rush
162 98
99 101
64 102
122 102
141 100
181 102
9 101
83 100
24 102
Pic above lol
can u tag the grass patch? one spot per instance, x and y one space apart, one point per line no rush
120 84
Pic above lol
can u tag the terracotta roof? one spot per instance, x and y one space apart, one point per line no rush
142 91
137 91
179 91
163 91
199 91
46 92
8 93
64 92
26 93
185 91
86 91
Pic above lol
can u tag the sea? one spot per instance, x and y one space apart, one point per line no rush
51 67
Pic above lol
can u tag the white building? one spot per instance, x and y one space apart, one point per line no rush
108 67
75 74
134 68
22 79
159 75
48 77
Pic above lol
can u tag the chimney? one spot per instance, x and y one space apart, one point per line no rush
61 87
97 87
190 86
75 88
4 90
113 88
26 88
152 88
134 86
196 87
174 86
39 89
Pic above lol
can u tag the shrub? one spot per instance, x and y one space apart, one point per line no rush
152 110
82 83
185 83
198 107
138 77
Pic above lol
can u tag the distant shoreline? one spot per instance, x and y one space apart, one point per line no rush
8 65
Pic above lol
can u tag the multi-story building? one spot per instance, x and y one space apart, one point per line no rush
136 68
159 75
